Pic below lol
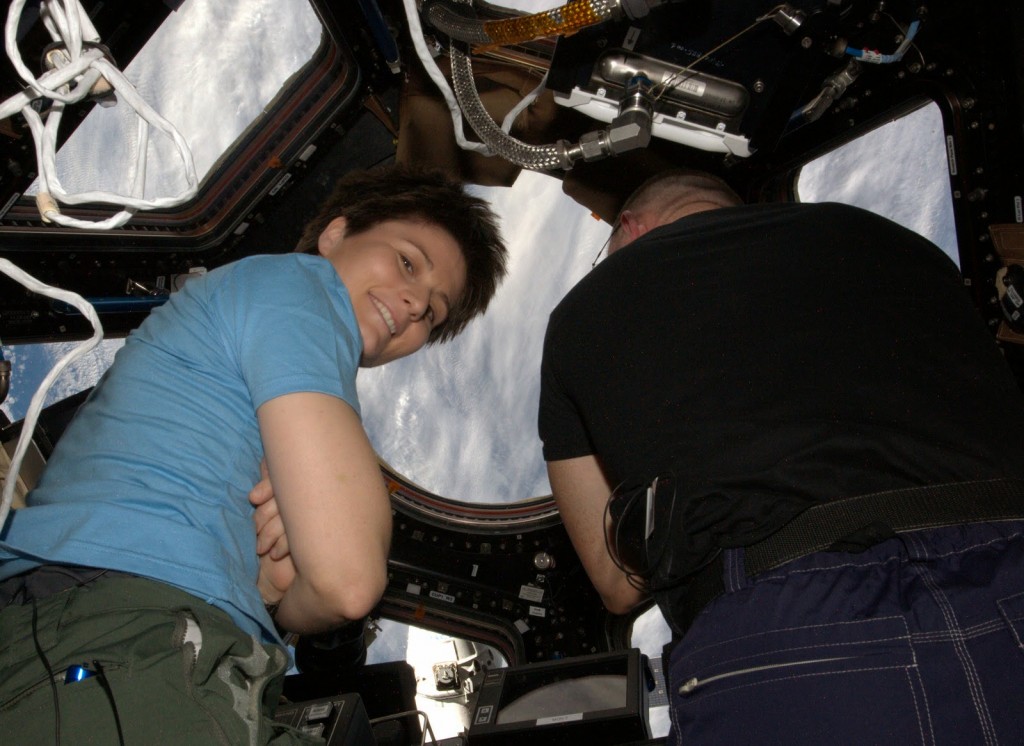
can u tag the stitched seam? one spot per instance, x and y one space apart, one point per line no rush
927 708
917 710
673 711
734 640
978 630
962 654
1008 620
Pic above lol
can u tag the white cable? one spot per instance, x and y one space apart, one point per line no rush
529 98
79 69
420 44
28 425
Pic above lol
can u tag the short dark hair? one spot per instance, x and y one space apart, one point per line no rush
400 192
682 186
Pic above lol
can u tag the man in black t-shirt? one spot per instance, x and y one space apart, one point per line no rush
759 361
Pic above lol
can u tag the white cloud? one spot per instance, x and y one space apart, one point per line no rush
31 363
210 69
898 170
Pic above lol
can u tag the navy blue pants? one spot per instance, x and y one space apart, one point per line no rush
917 640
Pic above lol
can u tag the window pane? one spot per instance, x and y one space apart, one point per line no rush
433 655
31 363
899 171
210 98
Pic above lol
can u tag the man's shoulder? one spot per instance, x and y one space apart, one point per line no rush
759 212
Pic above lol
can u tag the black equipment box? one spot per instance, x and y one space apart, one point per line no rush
340 720
593 699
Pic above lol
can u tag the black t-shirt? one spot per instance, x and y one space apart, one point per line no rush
772 356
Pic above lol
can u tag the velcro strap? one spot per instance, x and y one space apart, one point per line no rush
911 509
821 526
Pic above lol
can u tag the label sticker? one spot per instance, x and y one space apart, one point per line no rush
632 37
560 719
280 183
529 593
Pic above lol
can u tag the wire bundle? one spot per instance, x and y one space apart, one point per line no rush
36 405
79 69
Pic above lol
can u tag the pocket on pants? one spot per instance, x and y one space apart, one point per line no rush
1012 611
851 682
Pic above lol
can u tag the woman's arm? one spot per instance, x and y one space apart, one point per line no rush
333 506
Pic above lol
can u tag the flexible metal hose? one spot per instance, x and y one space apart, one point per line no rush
454 24
533 157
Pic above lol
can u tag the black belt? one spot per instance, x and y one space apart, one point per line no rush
44 581
821 526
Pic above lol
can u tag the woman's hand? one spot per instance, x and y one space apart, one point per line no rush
277 571
270 535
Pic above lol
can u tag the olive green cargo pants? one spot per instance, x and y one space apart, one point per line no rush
161 667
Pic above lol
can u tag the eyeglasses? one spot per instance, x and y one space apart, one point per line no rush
607 242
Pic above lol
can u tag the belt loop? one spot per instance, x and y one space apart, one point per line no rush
734 576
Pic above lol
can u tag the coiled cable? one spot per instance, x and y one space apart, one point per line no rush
79 70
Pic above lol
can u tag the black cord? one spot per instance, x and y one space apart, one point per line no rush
102 676
49 670
683 579
642 578
637 580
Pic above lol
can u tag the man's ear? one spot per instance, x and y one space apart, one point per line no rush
331 236
633 224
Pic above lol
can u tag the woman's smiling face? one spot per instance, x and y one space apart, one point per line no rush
402 276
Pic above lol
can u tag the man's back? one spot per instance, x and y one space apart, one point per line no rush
772 356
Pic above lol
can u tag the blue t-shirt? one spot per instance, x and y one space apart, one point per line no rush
152 476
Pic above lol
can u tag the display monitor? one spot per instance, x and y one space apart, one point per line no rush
594 699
